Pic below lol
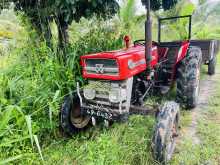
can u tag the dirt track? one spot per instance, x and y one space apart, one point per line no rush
207 89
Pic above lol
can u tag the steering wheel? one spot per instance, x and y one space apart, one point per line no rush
139 42
142 42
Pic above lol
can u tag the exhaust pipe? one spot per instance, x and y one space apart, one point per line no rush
148 38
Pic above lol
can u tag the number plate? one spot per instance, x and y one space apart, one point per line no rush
98 113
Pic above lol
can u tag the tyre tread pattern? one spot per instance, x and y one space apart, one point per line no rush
65 113
168 113
186 77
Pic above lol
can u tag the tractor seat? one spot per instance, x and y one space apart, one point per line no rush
168 52
170 44
169 49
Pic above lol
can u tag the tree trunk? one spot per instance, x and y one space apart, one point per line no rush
63 35
47 32
42 27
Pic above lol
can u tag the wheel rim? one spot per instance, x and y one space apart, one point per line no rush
172 140
77 119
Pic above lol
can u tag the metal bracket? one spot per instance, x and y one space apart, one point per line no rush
137 110
78 93
93 121
106 123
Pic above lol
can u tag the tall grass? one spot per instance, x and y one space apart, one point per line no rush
34 81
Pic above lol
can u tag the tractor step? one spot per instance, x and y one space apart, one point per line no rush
142 110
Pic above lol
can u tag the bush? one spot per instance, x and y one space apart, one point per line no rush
36 80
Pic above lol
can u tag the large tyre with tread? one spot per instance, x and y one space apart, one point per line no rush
166 132
71 119
188 78
212 65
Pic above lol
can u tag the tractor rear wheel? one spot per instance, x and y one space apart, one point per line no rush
188 78
212 65
166 132
71 119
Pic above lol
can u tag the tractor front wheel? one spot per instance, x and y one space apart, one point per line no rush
71 119
166 132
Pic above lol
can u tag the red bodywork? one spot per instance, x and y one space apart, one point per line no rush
183 50
136 54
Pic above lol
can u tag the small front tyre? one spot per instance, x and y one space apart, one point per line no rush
71 119
166 132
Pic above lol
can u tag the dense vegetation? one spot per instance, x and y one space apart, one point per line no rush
64 12
34 80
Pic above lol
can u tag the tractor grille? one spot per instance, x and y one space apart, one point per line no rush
101 99
102 66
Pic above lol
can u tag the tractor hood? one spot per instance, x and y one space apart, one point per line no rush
116 65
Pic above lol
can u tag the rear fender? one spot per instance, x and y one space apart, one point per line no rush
182 51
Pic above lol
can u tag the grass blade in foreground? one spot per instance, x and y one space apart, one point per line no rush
28 120
11 159
38 147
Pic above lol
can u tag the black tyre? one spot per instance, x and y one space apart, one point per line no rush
212 65
188 78
166 132
71 119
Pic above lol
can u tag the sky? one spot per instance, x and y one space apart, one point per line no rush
141 8
195 1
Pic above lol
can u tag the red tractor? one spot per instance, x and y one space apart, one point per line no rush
120 81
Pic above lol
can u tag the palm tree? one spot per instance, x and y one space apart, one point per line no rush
127 13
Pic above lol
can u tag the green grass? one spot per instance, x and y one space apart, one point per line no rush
125 143
208 131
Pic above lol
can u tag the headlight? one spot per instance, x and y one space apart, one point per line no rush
117 95
89 93
114 95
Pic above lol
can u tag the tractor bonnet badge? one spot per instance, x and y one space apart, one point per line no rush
99 68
